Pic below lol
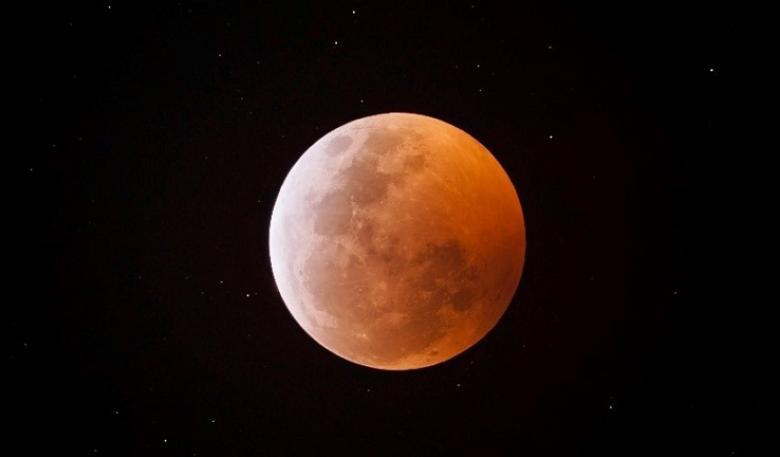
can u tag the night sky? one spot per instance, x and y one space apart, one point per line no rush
145 318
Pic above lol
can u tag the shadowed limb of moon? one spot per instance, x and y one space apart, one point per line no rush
397 241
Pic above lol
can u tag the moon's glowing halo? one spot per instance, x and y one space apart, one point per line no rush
397 241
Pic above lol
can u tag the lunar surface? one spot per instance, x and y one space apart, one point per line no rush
397 241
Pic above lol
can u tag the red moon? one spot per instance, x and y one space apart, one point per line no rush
397 241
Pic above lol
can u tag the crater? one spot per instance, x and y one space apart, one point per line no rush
414 163
365 183
333 214
462 299
446 276
446 256
362 184
382 141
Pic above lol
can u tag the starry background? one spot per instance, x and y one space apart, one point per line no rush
146 321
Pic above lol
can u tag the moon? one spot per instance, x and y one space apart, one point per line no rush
397 241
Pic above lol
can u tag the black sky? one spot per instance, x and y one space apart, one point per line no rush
156 137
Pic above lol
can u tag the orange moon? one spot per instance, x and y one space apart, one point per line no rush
397 241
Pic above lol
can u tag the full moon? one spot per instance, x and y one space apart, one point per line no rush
397 241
